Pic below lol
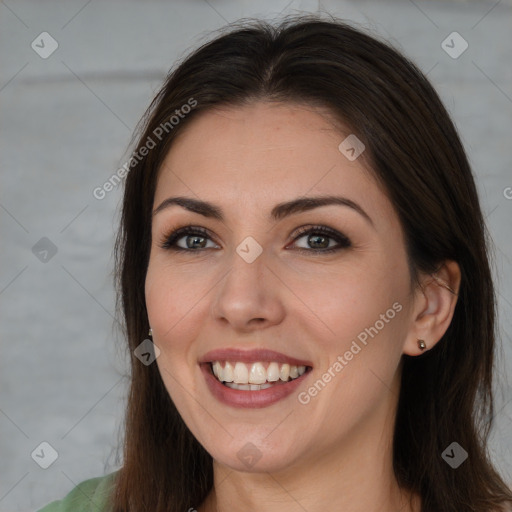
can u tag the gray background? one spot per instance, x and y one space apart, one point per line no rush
66 126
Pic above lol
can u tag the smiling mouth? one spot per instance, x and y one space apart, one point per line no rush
255 376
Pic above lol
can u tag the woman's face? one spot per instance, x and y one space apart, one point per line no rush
262 288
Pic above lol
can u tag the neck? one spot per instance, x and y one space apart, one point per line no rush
356 476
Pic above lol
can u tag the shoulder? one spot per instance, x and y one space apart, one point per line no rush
89 495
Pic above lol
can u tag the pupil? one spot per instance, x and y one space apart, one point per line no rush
319 237
194 240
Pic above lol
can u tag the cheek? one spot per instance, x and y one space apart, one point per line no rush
171 290
360 321
177 301
343 300
169 298
362 356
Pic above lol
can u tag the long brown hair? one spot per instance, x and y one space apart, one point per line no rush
416 154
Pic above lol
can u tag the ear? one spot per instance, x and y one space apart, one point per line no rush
434 303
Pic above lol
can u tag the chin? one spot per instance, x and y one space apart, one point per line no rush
256 455
260 463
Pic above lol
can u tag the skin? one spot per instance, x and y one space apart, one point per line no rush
334 453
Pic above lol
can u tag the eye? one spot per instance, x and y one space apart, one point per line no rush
318 238
195 237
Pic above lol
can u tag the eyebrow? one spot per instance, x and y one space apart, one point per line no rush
280 211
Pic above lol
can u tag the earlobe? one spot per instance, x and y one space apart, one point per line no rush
435 303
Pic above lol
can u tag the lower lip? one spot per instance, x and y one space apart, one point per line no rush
249 399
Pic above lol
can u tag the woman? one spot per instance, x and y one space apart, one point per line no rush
301 237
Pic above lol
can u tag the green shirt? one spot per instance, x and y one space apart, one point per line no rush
89 496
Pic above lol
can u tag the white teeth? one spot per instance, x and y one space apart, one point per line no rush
217 370
238 375
228 373
273 372
257 375
252 387
241 374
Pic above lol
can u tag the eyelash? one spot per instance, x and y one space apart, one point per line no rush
168 242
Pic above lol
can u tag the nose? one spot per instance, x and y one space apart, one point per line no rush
249 296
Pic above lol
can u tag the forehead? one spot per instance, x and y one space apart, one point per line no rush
264 153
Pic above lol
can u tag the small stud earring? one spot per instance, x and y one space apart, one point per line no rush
421 345
150 332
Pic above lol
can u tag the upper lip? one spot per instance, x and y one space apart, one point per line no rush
251 356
